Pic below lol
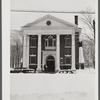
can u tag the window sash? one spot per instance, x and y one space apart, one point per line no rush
50 42
32 59
68 51
67 59
32 41
68 41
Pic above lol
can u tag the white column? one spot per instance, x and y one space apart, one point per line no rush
57 53
73 52
39 53
81 57
24 52
27 54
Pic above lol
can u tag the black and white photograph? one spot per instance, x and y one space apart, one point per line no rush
52 50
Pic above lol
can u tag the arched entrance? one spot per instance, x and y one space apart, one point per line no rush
50 62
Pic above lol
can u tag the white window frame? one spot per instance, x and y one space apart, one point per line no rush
67 46
66 56
47 40
34 57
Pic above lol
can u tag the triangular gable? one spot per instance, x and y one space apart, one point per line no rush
42 21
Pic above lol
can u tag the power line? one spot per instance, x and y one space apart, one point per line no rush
47 11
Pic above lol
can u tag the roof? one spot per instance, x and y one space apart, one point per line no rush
52 18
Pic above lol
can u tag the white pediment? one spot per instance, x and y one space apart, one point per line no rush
55 22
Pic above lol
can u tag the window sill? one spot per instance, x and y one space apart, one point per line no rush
32 46
32 64
50 47
67 46
67 55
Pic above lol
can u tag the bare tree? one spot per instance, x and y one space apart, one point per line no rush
15 49
89 20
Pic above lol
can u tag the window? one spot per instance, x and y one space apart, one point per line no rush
68 40
68 60
33 59
32 41
46 43
68 51
32 51
50 42
54 43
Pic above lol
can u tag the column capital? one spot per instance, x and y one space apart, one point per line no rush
57 34
39 35
73 34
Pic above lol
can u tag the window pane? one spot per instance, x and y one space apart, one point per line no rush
46 43
32 51
32 60
50 41
68 51
32 42
68 60
68 40
54 43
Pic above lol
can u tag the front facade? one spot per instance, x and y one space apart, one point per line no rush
52 42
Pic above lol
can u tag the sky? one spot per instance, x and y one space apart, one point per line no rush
52 4
19 19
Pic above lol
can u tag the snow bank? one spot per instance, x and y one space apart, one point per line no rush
49 96
86 71
78 86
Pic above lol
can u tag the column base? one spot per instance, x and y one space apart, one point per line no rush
38 70
25 67
57 69
73 68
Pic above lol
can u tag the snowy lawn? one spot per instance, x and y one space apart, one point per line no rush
79 86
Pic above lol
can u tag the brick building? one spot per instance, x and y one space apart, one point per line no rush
52 42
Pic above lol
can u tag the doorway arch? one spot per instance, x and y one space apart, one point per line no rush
50 62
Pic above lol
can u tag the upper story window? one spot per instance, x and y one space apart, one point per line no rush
50 42
68 51
33 41
68 41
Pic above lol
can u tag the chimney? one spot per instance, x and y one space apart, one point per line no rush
76 19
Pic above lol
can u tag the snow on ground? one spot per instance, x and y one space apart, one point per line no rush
79 86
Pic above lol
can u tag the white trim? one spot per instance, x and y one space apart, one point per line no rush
58 53
66 64
33 64
32 46
24 52
50 47
32 55
47 40
39 53
49 32
63 22
68 55
73 52
27 49
47 53
68 46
